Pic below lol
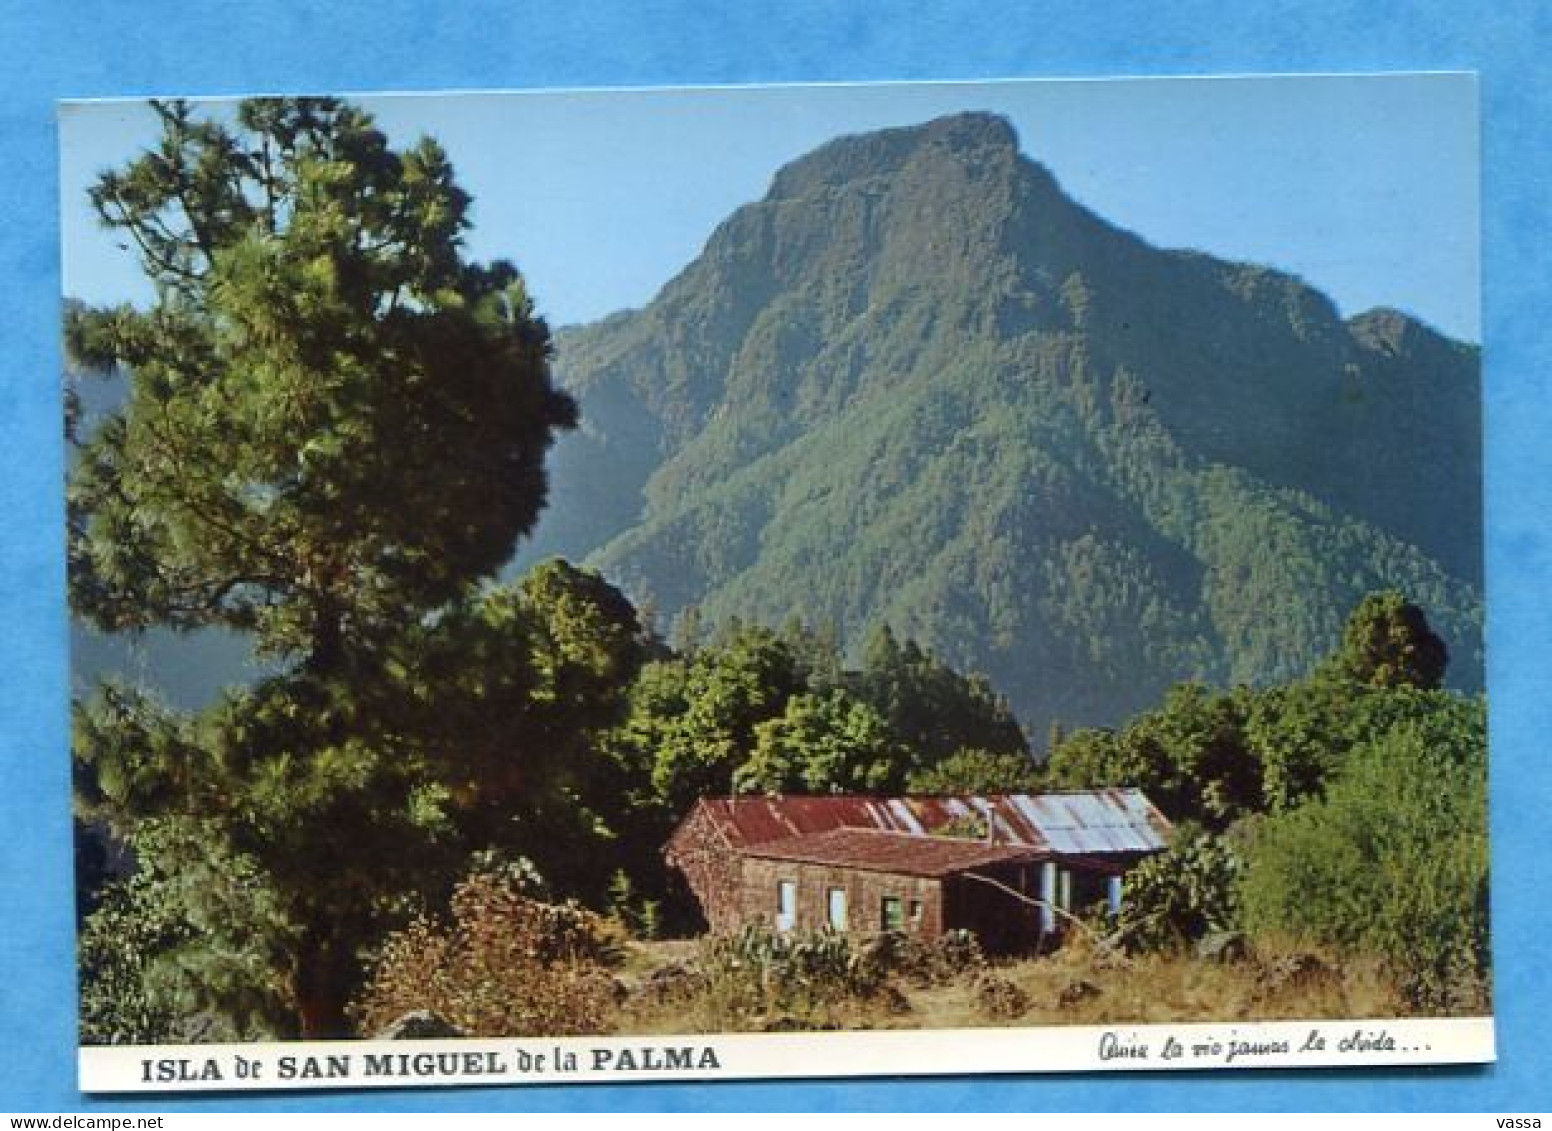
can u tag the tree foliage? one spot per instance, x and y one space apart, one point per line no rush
824 744
968 770
753 709
334 427
191 947
1189 755
1388 643
322 398
743 708
1214 757
1392 861
929 705
1343 811
693 721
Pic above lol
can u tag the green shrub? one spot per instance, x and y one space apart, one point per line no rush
1183 894
773 973
922 962
757 976
1392 862
186 949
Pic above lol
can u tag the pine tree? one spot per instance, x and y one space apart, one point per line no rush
333 427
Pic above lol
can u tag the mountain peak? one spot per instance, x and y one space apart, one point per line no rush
919 385
883 152
973 128
1395 332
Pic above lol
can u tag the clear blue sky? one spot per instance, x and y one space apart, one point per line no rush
1367 187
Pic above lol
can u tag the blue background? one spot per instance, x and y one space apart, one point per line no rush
94 48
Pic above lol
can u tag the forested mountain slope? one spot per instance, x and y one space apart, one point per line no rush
917 384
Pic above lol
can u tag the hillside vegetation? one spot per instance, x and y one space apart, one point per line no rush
917 385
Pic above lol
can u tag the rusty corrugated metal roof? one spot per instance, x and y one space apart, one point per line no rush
1089 822
873 850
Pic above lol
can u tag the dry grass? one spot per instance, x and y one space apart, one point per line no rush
1075 985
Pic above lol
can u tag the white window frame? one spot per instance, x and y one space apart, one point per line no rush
836 910
786 904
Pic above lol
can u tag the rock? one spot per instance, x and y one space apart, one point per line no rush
892 999
616 989
205 1028
421 1025
676 981
1294 970
1076 991
786 1023
998 997
1221 946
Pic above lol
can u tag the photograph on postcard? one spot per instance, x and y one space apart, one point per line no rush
776 581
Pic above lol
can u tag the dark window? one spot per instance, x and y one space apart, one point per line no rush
893 916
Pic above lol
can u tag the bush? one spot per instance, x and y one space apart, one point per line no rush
922 963
1392 862
507 965
187 949
802 979
1183 894
758 971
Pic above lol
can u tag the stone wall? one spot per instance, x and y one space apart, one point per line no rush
710 867
865 894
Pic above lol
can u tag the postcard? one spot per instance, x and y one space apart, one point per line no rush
776 581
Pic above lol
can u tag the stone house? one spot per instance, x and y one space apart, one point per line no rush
1010 868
